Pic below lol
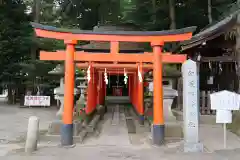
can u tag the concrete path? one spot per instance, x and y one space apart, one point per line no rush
14 120
113 131
117 100
112 143
212 137
119 153
211 134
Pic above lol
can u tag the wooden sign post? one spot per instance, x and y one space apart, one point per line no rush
224 102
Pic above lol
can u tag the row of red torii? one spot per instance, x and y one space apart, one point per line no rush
114 62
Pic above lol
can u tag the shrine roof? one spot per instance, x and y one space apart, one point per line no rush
211 31
126 33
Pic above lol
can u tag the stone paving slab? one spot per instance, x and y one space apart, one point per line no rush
113 132
113 145
116 152
212 138
14 121
211 134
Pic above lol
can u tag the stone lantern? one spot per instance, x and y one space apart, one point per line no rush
59 91
169 93
81 103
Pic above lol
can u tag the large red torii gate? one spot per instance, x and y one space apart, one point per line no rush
113 60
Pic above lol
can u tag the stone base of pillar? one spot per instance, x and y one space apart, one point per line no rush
141 119
56 125
193 147
67 135
60 111
158 134
168 114
173 130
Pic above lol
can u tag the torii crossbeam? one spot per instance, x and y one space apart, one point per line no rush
152 60
112 57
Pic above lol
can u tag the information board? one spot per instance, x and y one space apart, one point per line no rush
37 101
225 100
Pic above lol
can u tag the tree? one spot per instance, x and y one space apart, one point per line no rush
210 19
237 48
172 14
15 39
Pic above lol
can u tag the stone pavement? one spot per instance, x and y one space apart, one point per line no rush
211 134
113 131
120 153
113 143
14 120
212 137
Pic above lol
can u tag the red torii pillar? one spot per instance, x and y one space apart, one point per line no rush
140 95
158 116
92 91
104 88
130 87
136 94
100 88
67 127
135 91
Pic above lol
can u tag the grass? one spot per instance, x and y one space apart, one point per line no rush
235 125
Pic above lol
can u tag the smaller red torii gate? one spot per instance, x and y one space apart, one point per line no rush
113 60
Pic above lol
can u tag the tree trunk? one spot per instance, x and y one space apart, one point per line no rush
115 11
2 2
237 47
97 16
36 11
234 127
238 53
154 9
101 14
172 14
34 47
210 19
10 95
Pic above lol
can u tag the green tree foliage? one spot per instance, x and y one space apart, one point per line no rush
15 38
150 14
16 35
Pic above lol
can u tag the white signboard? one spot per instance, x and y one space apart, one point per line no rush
37 101
225 100
223 116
